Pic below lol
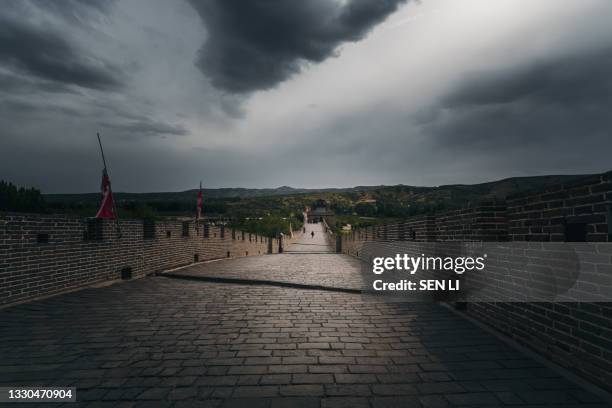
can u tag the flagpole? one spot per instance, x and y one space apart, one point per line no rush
198 210
102 152
109 185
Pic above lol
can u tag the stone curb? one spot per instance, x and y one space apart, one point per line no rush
240 281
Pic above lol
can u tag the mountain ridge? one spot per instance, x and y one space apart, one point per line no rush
497 186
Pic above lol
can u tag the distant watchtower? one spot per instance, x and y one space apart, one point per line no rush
320 212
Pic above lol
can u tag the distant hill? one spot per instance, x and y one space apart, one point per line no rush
389 200
207 192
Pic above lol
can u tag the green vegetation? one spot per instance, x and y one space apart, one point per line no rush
269 211
269 225
20 199
357 222
264 216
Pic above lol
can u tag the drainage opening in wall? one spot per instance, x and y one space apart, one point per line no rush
196 258
42 238
126 273
228 254
575 232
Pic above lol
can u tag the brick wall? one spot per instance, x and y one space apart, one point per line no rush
573 334
45 255
577 211
577 336
485 221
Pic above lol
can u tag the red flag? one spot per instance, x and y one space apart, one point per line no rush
199 208
107 208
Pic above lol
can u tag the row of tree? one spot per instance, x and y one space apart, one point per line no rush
388 208
20 199
30 200
269 225
270 209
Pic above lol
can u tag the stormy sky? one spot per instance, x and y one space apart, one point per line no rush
264 93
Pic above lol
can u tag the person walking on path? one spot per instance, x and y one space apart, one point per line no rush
312 234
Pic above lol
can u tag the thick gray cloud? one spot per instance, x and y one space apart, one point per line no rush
254 45
545 104
145 127
442 92
46 54
19 84
543 116
580 79
47 75
74 10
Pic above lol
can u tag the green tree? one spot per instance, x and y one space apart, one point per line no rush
366 209
20 199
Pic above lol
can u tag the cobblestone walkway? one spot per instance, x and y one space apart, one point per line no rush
329 270
308 243
178 343
306 262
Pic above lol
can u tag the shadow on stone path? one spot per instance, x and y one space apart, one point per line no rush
160 342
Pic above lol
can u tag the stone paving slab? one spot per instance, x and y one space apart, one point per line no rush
307 243
174 343
328 270
306 262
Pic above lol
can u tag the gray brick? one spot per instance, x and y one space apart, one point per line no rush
255 391
351 402
355 378
276 379
302 390
312 379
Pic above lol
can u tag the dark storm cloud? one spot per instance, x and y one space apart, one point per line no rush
23 85
550 116
145 127
546 104
575 80
45 76
40 51
120 123
257 44
72 11
531 113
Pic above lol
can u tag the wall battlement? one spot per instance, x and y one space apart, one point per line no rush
576 335
580 210
43 255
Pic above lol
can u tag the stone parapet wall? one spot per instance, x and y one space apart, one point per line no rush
576 335
42 255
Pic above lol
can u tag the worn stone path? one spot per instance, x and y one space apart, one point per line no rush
308 261
328 270
319 243
178 343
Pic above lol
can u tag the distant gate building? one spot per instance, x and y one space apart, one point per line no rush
321 212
